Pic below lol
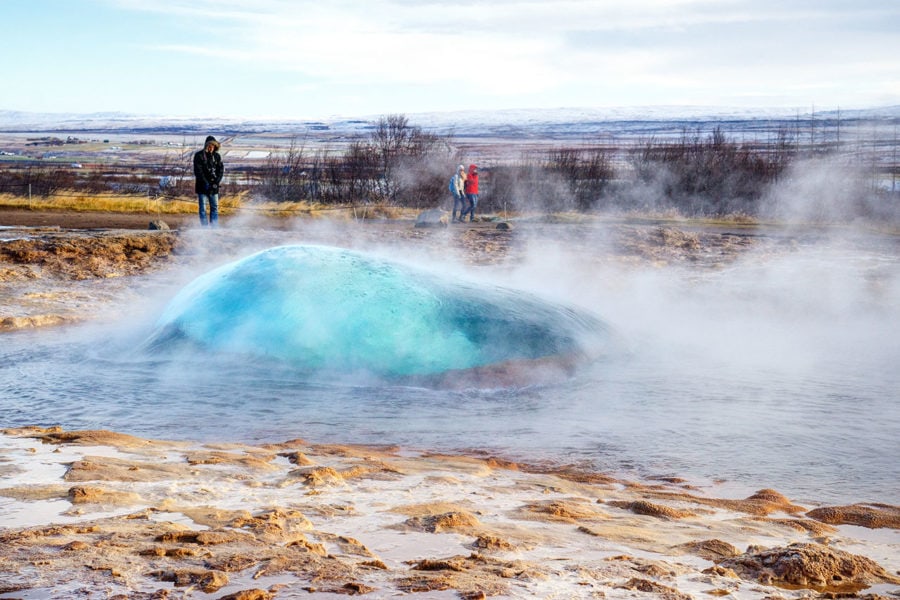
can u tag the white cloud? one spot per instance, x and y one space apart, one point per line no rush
330 44
672 49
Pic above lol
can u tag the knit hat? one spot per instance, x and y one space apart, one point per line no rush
461 168
211 140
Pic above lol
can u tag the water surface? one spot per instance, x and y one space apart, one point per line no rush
776 372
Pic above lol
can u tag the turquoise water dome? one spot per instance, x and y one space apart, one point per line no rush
329 309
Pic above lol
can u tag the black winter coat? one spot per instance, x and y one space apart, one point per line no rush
208 169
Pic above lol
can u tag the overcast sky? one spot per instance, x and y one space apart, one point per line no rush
317 59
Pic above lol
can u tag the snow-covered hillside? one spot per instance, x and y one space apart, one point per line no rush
536 122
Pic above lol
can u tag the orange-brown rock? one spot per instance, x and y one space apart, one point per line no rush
468 575
500 463
714 550
811 566
353 588
207 581
89 437
76 546
719 592
203 538
642 507
568 472
316 476
254 594
107 468
8 537
762 503
231 564
569 511
82 494
873 516
303 543
347 545
450 521
298 458
35 492
657 589
492 542
415 584
90 254
179 552
810 526
440 565
720 571
254 461
274 525
212 517
34 321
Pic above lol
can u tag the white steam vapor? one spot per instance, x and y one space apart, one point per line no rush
818 191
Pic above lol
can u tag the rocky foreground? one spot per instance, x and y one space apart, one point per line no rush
96 514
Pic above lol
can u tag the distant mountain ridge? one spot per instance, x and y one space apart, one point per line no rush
473 122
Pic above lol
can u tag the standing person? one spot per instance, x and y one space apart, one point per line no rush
471 193
208 169
458 189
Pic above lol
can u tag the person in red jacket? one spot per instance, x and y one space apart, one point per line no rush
471 193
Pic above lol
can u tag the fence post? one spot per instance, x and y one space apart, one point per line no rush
29 196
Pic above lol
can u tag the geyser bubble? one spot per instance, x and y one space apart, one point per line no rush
325 309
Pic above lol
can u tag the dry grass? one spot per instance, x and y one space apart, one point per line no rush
110 202
241 203
331 211
68 200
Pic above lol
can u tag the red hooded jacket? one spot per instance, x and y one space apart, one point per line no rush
472 180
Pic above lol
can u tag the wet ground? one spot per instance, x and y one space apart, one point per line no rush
49 259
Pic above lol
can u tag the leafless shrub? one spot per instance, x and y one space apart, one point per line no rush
710 176
284 177
586 171
561 179
398 164
526 186
42 180
53 178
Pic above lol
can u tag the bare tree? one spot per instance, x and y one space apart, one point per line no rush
402 151
284 177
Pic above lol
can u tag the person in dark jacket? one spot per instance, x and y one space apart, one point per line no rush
208 169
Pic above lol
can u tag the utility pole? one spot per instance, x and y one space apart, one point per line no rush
839 127
812 128
894 161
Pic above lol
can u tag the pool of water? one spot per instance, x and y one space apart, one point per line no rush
774 372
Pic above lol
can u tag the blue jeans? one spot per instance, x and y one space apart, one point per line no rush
459 202
473 202
213 200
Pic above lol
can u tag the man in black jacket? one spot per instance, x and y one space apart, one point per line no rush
208 170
